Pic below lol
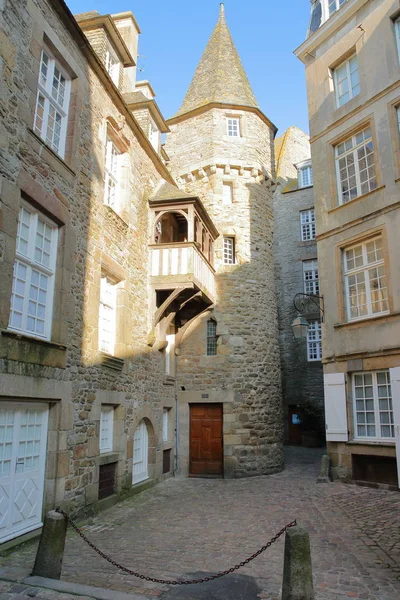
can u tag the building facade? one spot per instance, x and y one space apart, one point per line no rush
296 272
352 63
138 318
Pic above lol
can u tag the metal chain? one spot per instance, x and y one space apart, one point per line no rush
166 581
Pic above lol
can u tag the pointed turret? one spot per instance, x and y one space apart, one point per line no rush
220 76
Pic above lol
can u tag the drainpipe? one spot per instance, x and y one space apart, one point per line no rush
176 408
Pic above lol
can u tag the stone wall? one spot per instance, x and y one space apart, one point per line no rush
246 368
68 372
301 380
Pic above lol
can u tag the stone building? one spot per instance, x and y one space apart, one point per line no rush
296 272
351 56
119 288
220 148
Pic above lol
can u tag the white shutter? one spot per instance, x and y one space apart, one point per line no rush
395 384
335 407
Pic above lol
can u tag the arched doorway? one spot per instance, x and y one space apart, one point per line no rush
140 470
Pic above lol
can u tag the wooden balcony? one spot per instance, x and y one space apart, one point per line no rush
181 265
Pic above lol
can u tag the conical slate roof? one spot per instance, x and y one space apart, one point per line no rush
220 76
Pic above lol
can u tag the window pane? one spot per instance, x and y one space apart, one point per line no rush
229 251
211 337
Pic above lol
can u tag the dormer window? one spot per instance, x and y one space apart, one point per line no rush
334 5
304 174
321 10
112 64
154 135
233 128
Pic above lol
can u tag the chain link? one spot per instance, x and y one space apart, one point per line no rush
166 581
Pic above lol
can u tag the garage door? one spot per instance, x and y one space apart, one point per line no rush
23 438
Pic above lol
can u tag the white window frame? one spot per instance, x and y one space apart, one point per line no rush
107 315
314 341
398 111
335 4
165 428
154 135
31 246
233 127
374 410
305 176
112 175
353 88
112 64
366 268
307 225
140 470
310 276
351 147
52 103
106 429
227 192
229 250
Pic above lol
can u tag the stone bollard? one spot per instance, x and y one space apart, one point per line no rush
297 569
50 552
323 476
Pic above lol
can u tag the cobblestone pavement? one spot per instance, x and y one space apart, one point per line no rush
187 526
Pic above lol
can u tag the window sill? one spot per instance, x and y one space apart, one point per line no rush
306 243
112 362
24 348
369 442
31 338
367 320
362 197
52 153
113 212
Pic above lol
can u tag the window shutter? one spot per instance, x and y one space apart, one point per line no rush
395 384
335 407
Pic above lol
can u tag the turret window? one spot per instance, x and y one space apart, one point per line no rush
233 128
211 337
229 250
227 193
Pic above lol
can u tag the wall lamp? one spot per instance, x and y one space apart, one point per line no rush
303 303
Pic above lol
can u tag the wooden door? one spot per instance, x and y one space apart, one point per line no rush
294 428
206 456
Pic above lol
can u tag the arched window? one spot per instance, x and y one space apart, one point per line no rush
140 453
211 337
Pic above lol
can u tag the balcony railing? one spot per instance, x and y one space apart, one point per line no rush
180 263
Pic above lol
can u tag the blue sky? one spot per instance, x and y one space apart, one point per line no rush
265 32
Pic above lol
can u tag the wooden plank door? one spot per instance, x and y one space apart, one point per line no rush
206 456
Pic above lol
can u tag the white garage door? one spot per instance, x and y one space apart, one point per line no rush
23 438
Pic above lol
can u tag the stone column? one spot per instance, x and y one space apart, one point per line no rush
297 569
50 552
